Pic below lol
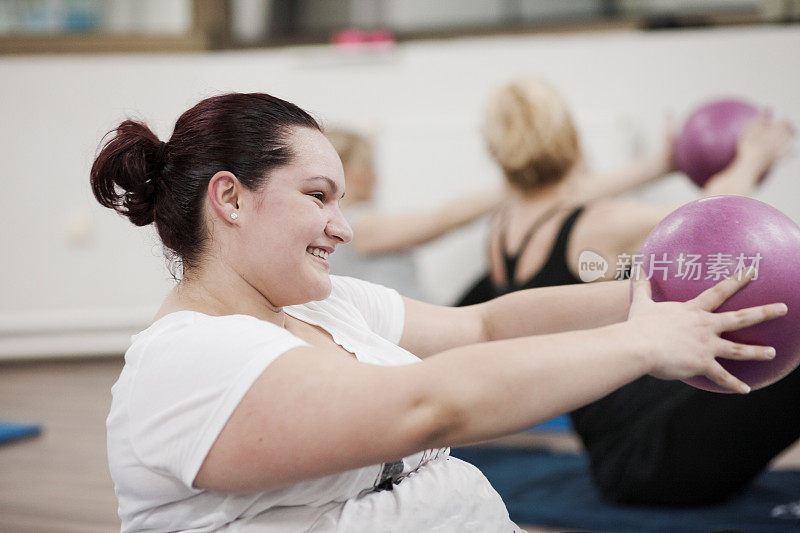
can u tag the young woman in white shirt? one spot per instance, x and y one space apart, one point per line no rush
268 395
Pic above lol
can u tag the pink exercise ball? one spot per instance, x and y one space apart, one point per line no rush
722 234
707 142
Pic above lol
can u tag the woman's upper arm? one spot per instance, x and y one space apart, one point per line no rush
314 412
613 228
429 329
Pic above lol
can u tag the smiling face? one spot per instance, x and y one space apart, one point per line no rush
293 223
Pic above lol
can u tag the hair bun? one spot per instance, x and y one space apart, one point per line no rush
126 172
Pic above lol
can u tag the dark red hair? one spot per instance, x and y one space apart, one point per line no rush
147 181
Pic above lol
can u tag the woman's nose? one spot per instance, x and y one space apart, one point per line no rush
339 229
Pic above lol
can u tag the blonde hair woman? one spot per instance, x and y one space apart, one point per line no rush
642 439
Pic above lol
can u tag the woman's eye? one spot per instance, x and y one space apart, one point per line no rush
319 196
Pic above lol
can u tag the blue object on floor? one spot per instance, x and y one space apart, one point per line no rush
557 424
555 490
10 431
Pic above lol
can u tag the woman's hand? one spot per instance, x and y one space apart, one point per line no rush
764 142
684 337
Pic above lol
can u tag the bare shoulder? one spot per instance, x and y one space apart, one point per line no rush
612 227
618 216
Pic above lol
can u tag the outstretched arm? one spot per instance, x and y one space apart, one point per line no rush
586 189
380 233
761 145
316 411
528 312
622 225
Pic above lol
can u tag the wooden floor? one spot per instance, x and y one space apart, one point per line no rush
58 482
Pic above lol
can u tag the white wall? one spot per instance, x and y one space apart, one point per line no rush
76 278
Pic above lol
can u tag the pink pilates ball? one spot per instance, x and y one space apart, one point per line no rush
707 240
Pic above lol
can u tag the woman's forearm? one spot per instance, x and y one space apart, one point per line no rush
739 178
624 180
555 309
493 389
384 233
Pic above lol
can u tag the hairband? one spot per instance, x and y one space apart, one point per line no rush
160 155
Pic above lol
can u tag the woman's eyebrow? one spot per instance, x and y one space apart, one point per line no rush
331 184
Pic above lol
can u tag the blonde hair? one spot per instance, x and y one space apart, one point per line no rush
530 133
353 148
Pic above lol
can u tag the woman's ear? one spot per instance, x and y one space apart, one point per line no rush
223 195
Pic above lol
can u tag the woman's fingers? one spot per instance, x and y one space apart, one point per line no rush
739 352
723 378
744 352
642 292
733 320
713 297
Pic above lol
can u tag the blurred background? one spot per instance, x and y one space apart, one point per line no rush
77 280
414 74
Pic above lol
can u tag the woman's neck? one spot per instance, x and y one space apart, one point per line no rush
560 191
540 196
218 292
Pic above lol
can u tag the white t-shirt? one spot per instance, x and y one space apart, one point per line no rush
184 376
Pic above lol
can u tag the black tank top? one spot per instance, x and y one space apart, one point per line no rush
554 271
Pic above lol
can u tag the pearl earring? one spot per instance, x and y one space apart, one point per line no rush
234 216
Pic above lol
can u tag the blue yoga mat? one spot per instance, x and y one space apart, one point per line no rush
11 431
558 424
555 490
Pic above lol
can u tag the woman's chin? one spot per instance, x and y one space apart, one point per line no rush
319 291
324 294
